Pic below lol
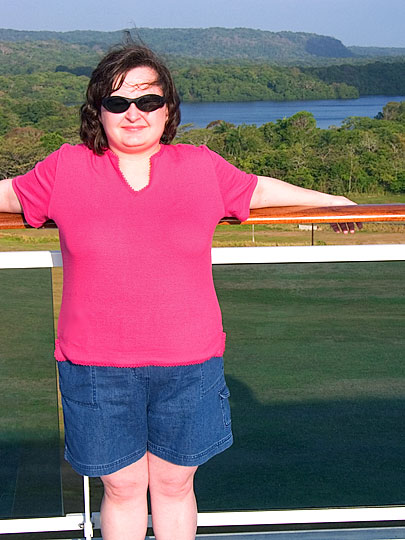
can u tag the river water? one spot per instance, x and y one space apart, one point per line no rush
326 112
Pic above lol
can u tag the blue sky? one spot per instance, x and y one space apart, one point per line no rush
355 22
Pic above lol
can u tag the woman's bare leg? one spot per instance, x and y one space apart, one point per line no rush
124 510
174 508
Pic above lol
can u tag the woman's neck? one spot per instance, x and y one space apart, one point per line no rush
136 157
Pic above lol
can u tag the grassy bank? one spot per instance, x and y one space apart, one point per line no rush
234 235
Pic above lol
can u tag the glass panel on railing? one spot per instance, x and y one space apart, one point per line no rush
30 483
315 365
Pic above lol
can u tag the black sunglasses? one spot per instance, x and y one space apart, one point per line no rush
146 103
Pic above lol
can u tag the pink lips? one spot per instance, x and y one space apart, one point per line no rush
133 128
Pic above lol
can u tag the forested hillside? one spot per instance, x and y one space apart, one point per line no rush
370 79
218 43
238 65
31 57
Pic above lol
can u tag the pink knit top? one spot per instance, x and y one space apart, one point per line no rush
138 287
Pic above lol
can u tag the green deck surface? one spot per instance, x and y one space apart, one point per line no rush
315 364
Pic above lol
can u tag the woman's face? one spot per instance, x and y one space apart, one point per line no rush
133 131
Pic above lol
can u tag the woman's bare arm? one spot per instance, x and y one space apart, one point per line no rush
8 199
274 192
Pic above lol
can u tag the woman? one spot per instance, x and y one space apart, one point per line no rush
140 340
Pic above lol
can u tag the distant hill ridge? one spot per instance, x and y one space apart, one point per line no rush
214 43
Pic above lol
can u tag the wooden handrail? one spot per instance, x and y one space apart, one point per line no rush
17 221
279 214
324 214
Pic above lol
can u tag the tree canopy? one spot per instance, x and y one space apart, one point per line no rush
363 156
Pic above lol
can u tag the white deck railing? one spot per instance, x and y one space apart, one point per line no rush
249 255
240 255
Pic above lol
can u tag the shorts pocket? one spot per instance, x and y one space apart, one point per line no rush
224 396
77 383
212 374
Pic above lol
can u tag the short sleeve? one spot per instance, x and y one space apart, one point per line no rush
236 187
34 190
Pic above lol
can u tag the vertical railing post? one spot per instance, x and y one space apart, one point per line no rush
87 524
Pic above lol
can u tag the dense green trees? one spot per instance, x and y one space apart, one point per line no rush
373 78
24 57
363 156
47 101
254 82
219 81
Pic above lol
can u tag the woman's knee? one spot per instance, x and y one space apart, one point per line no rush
170 480
128 482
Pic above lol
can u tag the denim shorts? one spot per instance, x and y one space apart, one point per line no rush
114 415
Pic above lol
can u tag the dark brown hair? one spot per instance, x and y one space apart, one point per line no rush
108 76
